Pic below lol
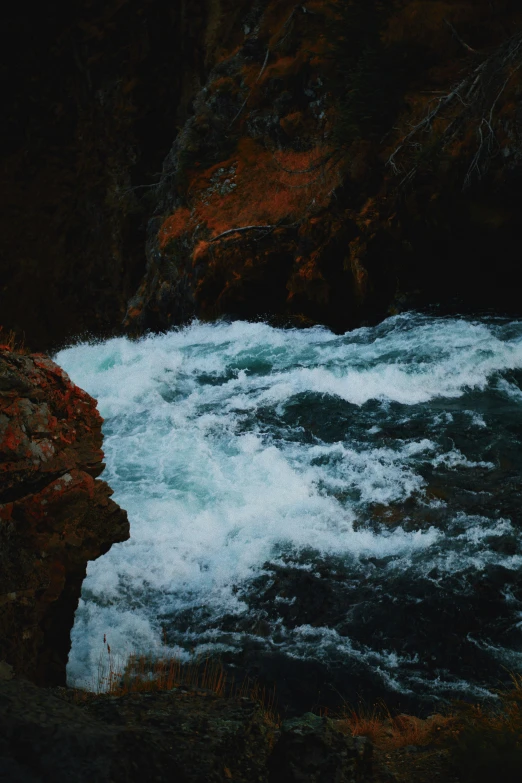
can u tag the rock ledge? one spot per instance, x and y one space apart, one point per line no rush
54 515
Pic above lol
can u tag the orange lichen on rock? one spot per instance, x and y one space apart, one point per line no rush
174 226
309 269
292 123
200 249
284 66
268 187
54 515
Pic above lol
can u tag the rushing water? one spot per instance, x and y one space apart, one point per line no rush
346 508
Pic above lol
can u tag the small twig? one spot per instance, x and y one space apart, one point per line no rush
250 90
139 187
241 109
287 24
491 138
459 39
273 228
242 230
494 105
261 72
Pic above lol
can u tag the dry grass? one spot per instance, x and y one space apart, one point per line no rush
119 676
9 341
479 742
390 732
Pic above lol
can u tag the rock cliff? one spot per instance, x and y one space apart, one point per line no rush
344 160
55 515
368 151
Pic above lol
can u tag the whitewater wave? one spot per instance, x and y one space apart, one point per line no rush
237 447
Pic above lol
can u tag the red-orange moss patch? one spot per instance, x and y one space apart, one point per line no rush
174 226
284 66
270 187
200 250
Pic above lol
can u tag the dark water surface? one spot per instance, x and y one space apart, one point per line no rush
339 514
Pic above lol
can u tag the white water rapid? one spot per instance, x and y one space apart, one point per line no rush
247 456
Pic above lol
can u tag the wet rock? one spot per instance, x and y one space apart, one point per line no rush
55 515
292 93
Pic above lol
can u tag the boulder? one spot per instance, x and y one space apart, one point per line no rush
55 515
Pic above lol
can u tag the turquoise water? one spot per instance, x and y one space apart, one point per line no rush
351 501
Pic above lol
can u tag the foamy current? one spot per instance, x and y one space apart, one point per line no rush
352 499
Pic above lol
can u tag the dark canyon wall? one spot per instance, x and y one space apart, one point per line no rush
55 515
367 156
92 95
377 142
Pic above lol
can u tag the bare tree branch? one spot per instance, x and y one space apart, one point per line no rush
241 230
261 72
459 39
473 101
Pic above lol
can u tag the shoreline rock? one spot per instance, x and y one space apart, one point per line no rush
55 515
188 735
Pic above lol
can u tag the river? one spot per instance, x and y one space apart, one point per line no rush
337 514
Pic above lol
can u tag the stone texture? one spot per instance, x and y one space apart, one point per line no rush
138 131
186 735
295 130
311 749
191 737
55 515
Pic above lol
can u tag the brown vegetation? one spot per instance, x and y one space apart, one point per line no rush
119 676
468 743
9 341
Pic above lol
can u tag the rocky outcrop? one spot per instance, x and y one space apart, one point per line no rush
327 161
344 161
55 515
185 735
312 749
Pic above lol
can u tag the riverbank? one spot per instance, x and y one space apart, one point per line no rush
201 734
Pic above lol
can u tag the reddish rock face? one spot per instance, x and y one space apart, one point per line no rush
54 515
333 172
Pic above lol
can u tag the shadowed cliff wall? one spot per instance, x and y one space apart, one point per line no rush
139 131
92 95
299 189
